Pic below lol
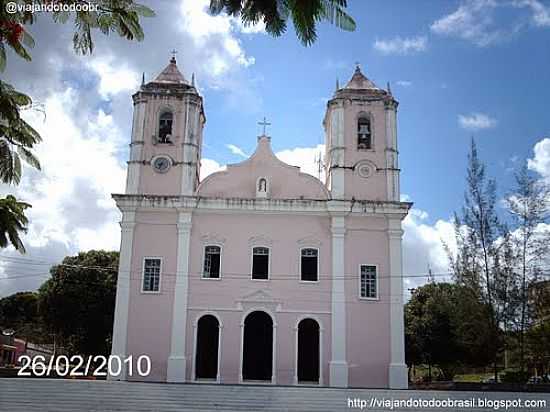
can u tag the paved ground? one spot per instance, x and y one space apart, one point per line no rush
42 395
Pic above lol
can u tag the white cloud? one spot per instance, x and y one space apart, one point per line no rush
472 21
113 77
80 171
540 163
476 21
215 36
403 83
401 46
540 12
72 209
209 166
476 121
236 150
423 248
305 158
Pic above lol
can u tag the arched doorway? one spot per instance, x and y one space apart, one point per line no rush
258 347
206 357
308 351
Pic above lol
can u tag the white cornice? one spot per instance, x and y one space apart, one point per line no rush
327 208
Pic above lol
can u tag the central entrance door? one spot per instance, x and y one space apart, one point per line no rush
258 347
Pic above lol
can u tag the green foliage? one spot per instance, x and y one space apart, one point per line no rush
12 222
77 303
538 346
514 376
17 137
443 328
20 313
305 15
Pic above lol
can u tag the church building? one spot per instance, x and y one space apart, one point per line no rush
262 273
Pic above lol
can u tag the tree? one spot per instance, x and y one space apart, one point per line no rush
20 313
538 346
528 206
12 222
305 15
478 263
77 303
443 328
17 137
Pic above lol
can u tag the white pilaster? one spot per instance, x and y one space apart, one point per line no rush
337 153
392 168
120 326
136 148
191 155
338 364
177 361
398 378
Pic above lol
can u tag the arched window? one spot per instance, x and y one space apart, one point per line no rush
364 133
165 127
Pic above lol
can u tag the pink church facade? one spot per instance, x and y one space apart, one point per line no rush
261 273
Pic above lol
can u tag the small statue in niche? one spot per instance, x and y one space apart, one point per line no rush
262 185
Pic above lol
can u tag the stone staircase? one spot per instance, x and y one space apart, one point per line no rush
29 395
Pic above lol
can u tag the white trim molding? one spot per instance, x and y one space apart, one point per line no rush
310 207
377 297
300 250
120 326
177 361
268 262
204 246
398 377
152 292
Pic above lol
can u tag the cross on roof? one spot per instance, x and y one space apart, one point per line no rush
264 123
174 52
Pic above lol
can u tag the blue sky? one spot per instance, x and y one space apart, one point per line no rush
459 69
509 81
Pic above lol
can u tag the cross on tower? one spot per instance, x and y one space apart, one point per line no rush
264 123
174 52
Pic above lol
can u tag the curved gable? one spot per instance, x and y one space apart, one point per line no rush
283 180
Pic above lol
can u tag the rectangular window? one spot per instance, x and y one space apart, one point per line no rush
151 275
309 265
212 260
260 263
369 282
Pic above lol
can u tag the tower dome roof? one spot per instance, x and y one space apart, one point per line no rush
361 85
171 74
359 81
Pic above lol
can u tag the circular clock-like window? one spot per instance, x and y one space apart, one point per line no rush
161 164
365 169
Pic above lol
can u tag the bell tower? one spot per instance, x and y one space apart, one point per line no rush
165 150
361 142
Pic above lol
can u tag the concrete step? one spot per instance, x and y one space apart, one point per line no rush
59 395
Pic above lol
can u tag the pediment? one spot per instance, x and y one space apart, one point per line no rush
310 240
213 238
259 299
258 296
260 240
